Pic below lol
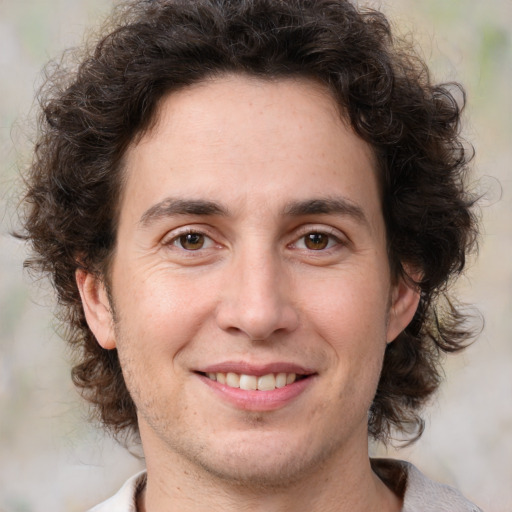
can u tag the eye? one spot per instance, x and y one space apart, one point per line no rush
317 241
192 241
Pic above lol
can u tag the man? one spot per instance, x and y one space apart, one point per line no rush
251 211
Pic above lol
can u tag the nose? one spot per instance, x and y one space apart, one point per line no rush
256 300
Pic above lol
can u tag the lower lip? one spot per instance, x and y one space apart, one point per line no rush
259 401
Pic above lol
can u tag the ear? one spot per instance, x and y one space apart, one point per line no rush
405 296
98 312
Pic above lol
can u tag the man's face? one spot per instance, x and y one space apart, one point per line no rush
251 251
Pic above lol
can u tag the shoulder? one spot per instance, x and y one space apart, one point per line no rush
125 499
418 491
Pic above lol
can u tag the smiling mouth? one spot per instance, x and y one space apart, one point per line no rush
268 382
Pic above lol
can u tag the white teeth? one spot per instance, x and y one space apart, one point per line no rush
280 380
248 382
267 382
233 380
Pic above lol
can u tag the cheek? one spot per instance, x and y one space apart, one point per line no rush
349 306
350 315
161 311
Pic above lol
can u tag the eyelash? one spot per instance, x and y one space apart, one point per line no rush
331 240
175 240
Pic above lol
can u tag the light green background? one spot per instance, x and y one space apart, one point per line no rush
50 459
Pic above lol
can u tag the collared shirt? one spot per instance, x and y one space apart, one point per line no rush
420 494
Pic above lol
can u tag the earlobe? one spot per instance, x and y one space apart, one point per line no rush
97 308
405 298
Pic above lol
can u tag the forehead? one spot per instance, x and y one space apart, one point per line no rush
244 94
248 140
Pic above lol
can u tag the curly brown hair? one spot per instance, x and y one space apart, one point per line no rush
92 112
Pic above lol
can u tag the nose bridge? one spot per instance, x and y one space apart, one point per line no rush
257 300
260 280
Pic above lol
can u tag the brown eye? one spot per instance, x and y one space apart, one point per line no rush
192 241
316 241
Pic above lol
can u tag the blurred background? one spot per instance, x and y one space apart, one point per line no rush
52 459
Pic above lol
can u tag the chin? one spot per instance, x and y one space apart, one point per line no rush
263 463
245 473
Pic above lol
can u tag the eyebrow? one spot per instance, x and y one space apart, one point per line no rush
170 207
319 206
325 206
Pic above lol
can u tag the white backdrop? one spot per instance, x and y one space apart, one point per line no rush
51 459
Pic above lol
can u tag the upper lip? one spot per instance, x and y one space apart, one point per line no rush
246 368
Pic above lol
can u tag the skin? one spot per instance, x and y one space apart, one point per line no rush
252 291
